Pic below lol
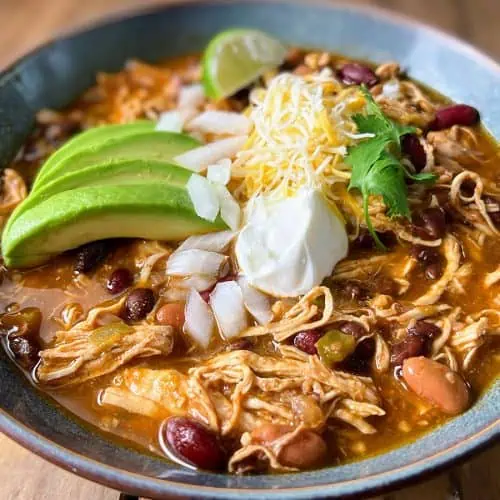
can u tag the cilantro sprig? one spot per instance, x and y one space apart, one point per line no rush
376 164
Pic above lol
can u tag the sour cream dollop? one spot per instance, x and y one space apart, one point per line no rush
287 247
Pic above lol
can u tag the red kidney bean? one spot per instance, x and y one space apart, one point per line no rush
413 148
24 349
457 114
437 384
353 328
194 442
355 73
138 304
240 345
306 341
91 255
416 342
407 348
119 281
430 223
424 329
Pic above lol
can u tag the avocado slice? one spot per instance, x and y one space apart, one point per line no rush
148 145
91 138
73 218
120 173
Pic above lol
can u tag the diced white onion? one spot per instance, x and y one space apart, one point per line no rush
199 323
197 282
220 122
170 121
391 89
198 159
191 96
256 302
230 210
211 242
229 309
220 172
204 197
194 262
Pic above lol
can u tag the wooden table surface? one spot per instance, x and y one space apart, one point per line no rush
26 23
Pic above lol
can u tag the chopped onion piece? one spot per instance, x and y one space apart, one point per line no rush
199 323
256 302
191 96
230 211
220 122
391 89
229 309
198 159
194 262
204 197
170 121
197 282
211 242
220 172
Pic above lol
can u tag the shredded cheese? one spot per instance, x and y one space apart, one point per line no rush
301 128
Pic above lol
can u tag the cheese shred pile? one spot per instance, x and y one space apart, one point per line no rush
302 127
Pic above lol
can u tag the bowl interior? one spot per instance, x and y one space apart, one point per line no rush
54 75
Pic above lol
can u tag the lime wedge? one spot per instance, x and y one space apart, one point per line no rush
237 57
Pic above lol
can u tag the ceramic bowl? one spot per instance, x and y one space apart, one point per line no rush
55 74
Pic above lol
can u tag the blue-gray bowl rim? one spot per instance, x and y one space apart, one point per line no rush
161 488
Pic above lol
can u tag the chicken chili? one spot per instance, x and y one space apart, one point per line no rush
292 269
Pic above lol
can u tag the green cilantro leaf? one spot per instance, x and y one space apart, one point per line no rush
376 168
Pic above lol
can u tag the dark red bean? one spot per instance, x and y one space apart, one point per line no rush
356 74
424 329
306 341
409 347
353 328
413 148
494 216
457 114
119 281
425 255
25 350
193 442
240 345
359 361
91 255
138 304
433 271
205 295
354 291
364 240
430 223
27 321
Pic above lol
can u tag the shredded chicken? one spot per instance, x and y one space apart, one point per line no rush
84 352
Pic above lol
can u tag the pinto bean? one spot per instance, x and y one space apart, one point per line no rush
457 114
194 442
437 384
171 314
356 74
305 450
